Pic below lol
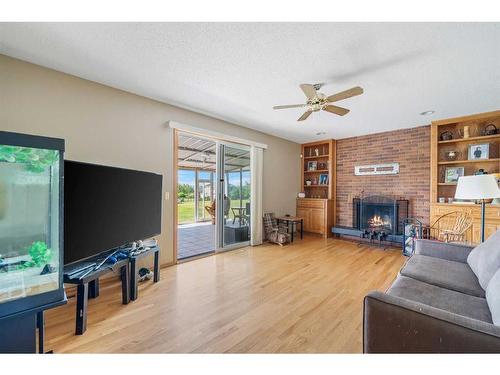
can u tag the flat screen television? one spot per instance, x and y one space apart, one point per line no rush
107 207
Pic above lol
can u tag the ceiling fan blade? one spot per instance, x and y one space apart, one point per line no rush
289 106
309 90
337 110
304 116
345 94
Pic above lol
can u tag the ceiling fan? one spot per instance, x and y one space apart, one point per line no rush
318 101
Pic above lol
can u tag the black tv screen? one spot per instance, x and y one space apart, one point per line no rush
106 207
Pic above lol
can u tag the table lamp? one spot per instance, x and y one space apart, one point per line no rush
478 187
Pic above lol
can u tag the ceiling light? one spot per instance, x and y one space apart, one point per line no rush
427 113
320 133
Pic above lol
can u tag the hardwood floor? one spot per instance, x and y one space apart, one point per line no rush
302 298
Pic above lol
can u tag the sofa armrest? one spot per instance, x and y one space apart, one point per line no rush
396 325
443 250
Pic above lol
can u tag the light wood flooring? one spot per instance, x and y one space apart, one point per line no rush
302 298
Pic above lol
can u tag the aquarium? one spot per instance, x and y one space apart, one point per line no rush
30 188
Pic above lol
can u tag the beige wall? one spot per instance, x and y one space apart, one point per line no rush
108 126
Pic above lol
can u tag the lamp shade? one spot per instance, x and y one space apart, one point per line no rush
477 187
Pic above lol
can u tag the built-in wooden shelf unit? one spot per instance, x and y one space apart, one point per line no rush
476 125
321 155
441 188
317 209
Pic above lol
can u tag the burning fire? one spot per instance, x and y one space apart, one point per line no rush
378 221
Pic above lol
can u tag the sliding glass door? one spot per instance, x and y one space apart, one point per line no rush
234 191
196 200
213 195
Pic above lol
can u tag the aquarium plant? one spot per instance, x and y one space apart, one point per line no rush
36 160
40 254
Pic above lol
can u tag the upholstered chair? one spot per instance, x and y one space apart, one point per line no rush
274 233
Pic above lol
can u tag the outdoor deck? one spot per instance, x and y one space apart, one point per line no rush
195 239
199 238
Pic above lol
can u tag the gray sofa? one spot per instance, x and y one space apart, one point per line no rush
446 299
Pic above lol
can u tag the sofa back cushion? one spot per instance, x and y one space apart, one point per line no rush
484 260
493 298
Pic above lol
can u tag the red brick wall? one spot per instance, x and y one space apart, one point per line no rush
408 147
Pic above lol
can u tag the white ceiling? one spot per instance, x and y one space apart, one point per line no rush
238 71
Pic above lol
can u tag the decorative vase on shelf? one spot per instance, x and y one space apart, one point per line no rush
308 182
451 155
490 129
446 136
466 131
316 151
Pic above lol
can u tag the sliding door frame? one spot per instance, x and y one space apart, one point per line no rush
221 181
175 171
219 138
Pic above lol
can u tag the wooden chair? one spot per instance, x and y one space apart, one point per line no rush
212 209
452 226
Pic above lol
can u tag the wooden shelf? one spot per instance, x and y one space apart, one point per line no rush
322 186
316 157
472 139
447 184
456 204
469 161
318 170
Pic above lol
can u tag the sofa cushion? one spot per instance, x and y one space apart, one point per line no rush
493 297
443 273
485 259
441 298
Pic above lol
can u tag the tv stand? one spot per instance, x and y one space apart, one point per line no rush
88 286
134 289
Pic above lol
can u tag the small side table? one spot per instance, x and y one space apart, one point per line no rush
134 272
293 220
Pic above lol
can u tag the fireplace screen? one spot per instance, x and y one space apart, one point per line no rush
379 214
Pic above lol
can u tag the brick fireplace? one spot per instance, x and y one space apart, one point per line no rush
408 147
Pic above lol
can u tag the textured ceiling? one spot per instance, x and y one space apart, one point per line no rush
238 71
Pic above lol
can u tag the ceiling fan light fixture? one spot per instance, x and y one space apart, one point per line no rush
317 101
320 133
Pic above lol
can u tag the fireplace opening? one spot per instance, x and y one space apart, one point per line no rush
380 215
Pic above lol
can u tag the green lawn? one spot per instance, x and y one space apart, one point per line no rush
185 210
